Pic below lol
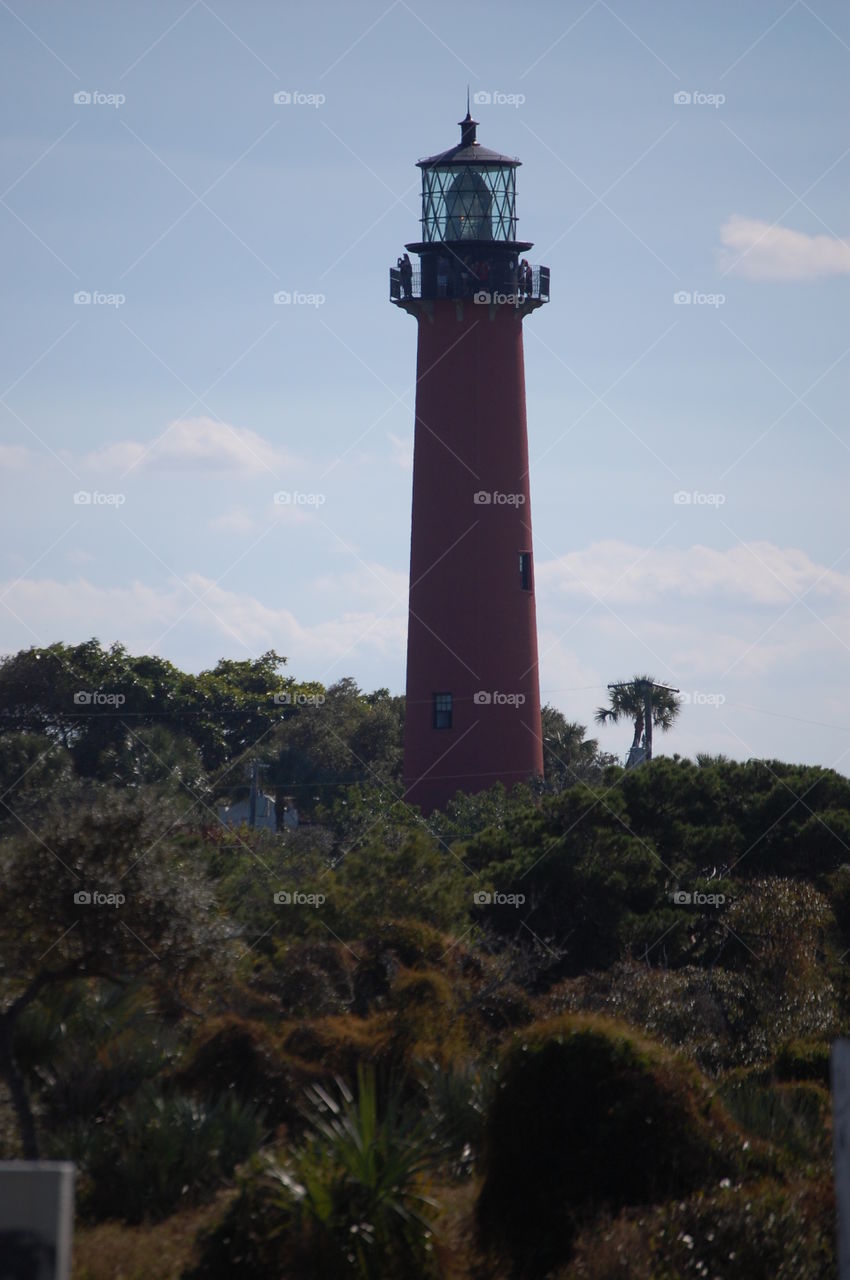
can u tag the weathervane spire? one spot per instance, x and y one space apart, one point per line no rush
468 126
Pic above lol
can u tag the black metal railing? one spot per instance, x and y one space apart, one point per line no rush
514 291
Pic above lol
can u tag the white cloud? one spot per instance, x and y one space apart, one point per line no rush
14 457
369 583
236 520
77 555
201 616
754 573
194 444
760 251
715 621
563 673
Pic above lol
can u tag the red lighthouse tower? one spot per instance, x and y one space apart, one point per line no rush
473 699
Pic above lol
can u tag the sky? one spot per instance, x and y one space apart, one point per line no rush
200 204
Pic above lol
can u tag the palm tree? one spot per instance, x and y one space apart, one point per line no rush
629 701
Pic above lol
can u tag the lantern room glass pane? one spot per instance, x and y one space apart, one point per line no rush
468 202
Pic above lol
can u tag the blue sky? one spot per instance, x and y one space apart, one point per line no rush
182 197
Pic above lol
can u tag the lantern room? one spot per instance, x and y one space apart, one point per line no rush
468 192
469 247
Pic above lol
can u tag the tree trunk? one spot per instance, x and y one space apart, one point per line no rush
638 730
11 1073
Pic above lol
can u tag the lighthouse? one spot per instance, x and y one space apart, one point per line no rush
473 699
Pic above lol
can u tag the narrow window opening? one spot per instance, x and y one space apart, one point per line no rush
442 711
525 578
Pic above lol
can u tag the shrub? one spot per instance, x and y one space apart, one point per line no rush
309 978
389 946
764 1231
589 1114
458 1098
803 1060
337 1046
87 1086
418 881
414 942
425 1018
232 1054
721 1018
792 1116
148 1251
348 1202
161 1149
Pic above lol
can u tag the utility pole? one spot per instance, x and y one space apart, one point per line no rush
645 687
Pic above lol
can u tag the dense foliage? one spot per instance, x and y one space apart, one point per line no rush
578 1029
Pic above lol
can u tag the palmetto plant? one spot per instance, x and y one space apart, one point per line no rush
352 1194
628 701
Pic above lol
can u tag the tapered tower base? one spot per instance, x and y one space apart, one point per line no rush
473 701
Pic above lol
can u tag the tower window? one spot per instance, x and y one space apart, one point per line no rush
442 711
525 580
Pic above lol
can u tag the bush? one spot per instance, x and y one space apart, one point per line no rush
759 1232
413 942
425 1018
88 1085
347 1203
721 1018
792 1116
803 1060
309 978
160 1150
419 882
458 1098
588 1114
232 1054
338 1046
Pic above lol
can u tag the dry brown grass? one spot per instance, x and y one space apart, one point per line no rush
156 1251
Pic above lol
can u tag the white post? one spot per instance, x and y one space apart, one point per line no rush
36 1218
839 1071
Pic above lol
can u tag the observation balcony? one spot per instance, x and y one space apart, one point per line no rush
484 283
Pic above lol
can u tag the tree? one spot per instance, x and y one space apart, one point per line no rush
90 700
97 892
32 768
569 756
338 740
629 701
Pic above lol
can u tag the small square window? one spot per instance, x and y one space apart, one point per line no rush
525 580
442 711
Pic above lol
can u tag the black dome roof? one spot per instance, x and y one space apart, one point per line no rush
468 151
